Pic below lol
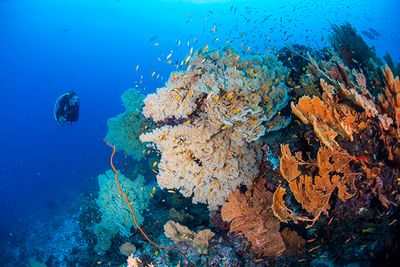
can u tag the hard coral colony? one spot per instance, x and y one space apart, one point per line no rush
210 124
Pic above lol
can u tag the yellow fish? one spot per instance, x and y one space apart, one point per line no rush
187 59
369 230
153 191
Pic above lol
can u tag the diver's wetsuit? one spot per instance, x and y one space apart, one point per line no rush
67 108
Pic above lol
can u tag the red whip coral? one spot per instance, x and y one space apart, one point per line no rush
250 213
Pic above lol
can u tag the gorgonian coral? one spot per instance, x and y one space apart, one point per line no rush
390 107
313 191
220 106
347 106
251 214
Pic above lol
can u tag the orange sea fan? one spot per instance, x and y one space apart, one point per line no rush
390 105
328 118
314 191
251 214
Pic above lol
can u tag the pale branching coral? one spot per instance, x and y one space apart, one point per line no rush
115 215
124 130
224 104
134 262
251 214
127 249
313 191
180 233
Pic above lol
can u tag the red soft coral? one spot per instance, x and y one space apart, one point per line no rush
251 214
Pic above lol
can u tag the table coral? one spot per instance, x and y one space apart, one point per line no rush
251 214
220 107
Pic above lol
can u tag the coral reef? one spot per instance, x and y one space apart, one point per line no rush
255 187
251 214
124 130
351 47
218 109
115 215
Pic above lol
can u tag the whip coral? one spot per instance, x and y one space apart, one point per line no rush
132 211
115 218
250 213
314 191
220 107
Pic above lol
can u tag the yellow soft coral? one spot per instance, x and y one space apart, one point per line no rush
219 109
201 162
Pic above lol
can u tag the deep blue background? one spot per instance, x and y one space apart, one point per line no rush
93 47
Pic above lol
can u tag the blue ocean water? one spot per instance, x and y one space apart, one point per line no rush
94 47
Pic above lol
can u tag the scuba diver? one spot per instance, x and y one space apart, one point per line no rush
66 108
